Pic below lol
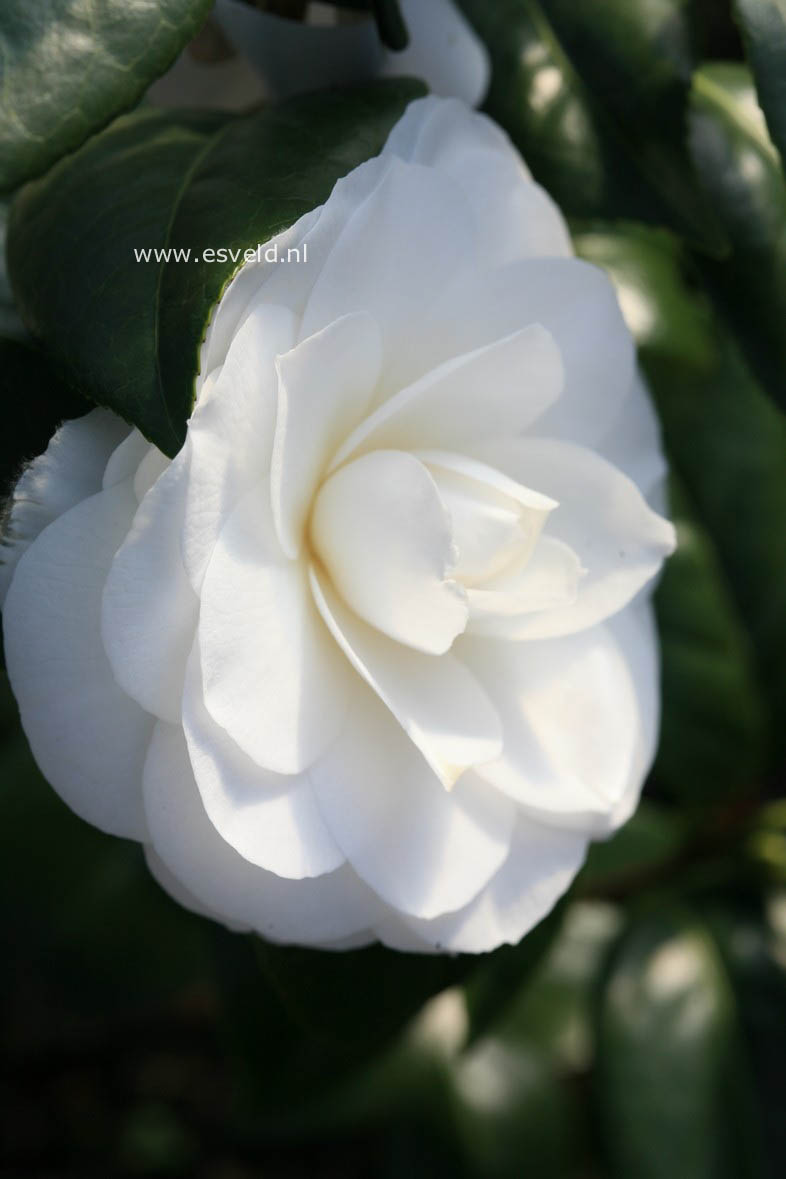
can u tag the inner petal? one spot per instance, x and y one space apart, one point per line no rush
495 520
384 537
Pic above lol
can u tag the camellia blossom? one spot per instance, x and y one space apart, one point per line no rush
373 657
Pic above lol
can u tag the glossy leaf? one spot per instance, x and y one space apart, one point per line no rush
741 174
156 180
764 27
69 66
647 843
320 1016
665 1043
594 97
713 737
726 440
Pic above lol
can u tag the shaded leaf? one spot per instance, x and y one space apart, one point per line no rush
764 27
69 66
189 182
665 1045
741 174
726 440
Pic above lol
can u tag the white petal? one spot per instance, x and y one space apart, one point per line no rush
179 893
274 678
633 443
328 908
324 386
443 49
573 300
272 820
515 217
125 459
87 736
440 706
69 470
424 849
497 390
149 610
384 536
494 519
601 516
548 578
150 471
230 434
540 867
396 253
578 715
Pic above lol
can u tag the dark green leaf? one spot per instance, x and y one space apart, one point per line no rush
752 942
33 404
764 27
665 1044
511 1116
594 97
741 174
319 1015
726 440
648 842
155 180
69 66
713 734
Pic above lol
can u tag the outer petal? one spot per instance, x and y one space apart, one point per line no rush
272 820
395 254
161 874
324 386
438 703
423 849
579 717
497 390
602 517
125 459
573 300
382 532
329 908
230 435
149 610
515 217
69 470
87 736
540 867
633 443
273 677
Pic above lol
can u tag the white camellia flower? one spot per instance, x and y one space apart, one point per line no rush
373 656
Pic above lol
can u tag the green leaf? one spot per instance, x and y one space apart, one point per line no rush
594 97
320 1016
741 174
665 1043
650 839
726 440
764 27
33 404
713 734
158 180
69 66
509 1106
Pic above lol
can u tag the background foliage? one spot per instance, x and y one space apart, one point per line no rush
640 1031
